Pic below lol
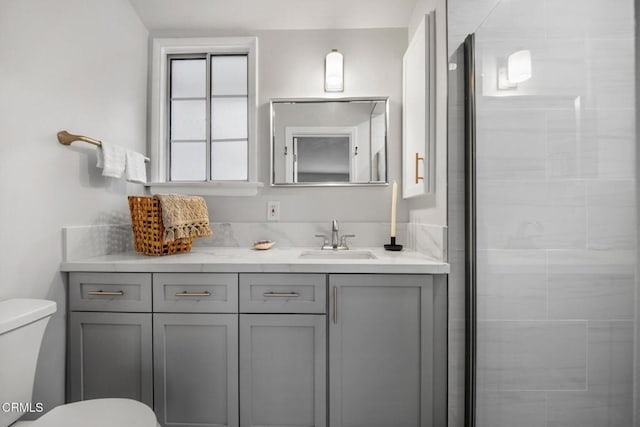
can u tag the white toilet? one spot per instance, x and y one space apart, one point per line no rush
22 325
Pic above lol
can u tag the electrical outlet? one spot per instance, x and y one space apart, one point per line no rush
273 211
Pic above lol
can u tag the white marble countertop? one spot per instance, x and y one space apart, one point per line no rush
245 260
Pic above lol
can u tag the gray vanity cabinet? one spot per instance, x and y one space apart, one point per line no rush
110 350
110 356
196 369
282 370
283 350
381 359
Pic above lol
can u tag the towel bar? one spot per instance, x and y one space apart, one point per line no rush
66 138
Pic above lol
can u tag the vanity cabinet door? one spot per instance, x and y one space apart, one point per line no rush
110 356
196 369
282 370
381 350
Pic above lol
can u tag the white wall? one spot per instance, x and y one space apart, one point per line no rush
291 65
78 65
432 209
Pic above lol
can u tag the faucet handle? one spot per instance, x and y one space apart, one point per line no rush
325 239
343 240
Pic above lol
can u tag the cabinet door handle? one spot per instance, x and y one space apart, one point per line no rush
107 293
418 158
193 294
335 305
281 294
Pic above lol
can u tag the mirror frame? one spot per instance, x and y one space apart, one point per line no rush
273 101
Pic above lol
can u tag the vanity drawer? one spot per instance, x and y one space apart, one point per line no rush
195 292
283 293
110 292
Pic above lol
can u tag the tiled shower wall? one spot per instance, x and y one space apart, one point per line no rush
556 216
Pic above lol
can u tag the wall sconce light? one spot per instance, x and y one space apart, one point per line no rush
516 70
519 66
334 72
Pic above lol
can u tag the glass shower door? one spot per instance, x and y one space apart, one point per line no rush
555 186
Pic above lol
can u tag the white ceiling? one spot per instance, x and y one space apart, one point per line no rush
202 15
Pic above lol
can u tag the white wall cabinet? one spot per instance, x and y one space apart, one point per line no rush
418 111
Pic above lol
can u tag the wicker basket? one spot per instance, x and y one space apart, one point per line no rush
146 219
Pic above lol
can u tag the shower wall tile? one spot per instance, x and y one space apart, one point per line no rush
532 356
515 19
513 145
589 18
514 285
590 296
502 409
612 215
610 356
531 215
571 152
604 408
611 70
593 285
611 137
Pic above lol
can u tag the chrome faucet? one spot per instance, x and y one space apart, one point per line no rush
334 234
337 242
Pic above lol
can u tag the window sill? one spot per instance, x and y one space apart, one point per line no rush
231 188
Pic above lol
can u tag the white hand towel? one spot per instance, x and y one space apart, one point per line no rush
135 169
113 160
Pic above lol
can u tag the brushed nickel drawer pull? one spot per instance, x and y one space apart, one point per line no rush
107 293
335 305
281 294
193 294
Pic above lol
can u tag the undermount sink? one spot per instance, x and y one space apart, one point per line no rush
330 254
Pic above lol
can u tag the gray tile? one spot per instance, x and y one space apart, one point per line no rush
512 144
611 212
502 409
590 296
610 356
590 409
512 285
571 153
611 73
593 285
589 18
531 215
529 356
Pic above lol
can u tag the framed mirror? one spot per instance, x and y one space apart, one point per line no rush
329 142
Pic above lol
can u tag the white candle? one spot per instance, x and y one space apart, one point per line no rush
394 201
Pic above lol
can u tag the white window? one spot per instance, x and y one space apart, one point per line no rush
203 123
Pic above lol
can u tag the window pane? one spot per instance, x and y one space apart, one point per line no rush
229 118
188 120
229 160
188 78
188 161
229 75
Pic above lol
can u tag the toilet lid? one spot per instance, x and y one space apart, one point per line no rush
99 413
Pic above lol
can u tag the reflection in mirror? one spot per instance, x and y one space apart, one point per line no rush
329 142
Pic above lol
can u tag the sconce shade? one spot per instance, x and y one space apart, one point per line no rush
334 72
519 66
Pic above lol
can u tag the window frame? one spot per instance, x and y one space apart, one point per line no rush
163 49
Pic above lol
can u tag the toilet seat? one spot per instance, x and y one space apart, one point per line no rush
99 413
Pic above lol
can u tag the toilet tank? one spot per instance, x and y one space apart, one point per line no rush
22 325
